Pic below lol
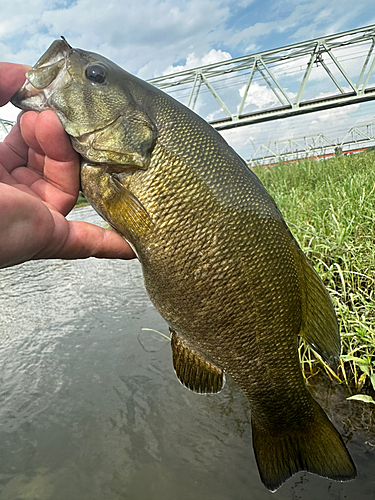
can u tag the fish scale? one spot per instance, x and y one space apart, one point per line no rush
219 262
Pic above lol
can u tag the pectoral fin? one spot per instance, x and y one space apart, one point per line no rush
127 209
193 370
114 202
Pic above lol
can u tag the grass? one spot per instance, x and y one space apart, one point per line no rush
329 206
81 201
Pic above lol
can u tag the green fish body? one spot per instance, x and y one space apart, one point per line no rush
219 262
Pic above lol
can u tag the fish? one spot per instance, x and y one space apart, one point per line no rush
219 262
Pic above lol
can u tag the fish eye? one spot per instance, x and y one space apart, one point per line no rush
96 73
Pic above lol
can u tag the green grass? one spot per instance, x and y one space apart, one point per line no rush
81 201
329 206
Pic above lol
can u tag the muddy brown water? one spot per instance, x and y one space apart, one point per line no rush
90 408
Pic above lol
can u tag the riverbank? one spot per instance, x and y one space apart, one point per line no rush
329 207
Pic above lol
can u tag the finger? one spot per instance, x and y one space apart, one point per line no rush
85 240
36 161
52 137
26 226
52 195
53 165
62 163
45 135
26 176
13 149
5 177
28 125
12 77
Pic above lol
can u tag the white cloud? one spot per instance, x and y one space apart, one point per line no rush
146 34
259 95
192 61
245 3
336 114
214 115
137 41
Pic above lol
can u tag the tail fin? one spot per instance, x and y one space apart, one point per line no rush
317 448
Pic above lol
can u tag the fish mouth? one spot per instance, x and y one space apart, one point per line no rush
48 74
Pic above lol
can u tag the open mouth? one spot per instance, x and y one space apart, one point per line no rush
48 74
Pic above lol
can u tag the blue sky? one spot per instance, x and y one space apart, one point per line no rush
150 37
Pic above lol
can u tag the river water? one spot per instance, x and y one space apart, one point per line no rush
91 409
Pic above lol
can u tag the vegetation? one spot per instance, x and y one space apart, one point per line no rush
81 201
329 206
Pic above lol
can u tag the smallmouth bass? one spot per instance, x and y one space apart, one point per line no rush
219 262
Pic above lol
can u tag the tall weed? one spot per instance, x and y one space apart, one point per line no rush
329 207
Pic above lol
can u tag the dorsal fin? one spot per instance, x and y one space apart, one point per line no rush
193 370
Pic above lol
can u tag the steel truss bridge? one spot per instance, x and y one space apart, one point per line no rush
277 83
6 125
343 64
316 146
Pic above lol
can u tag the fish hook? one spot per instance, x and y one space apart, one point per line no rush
66 43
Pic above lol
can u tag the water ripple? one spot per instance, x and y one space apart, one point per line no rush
88 413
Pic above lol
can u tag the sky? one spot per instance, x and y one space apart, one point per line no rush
151 38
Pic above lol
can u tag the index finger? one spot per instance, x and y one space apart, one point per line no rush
59 164
12 77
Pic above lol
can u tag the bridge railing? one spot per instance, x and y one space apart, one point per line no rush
281 82
356 139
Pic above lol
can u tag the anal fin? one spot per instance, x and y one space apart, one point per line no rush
193 370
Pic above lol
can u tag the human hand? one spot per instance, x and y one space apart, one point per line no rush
39 185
